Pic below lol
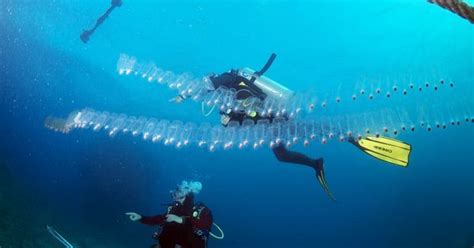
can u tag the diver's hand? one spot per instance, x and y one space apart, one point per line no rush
134 216
177 99
225 119
174 218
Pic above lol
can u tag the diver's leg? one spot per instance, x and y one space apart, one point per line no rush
284 155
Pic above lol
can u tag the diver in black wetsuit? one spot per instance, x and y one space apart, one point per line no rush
246 88
87 33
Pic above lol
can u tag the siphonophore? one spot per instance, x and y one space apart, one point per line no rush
263 133
367 109
287 104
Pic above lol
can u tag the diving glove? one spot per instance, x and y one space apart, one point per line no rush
134 216
177 99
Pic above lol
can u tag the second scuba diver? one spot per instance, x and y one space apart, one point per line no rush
248 84
185 224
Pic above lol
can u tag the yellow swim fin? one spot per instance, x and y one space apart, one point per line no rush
386 149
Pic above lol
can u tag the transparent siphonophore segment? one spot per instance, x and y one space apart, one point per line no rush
434 118
251 134
202 90
184 83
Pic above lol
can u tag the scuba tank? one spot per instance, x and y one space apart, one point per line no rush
270 87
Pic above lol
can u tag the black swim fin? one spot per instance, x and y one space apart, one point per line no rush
321 177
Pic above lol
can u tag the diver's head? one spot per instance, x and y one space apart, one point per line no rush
186 190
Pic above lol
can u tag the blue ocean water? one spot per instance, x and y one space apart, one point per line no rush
83 183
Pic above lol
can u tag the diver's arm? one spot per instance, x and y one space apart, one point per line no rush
174 218
181 97
232 80
153 220
226 79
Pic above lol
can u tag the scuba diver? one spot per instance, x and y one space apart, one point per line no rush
247 84
185 224
87 33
